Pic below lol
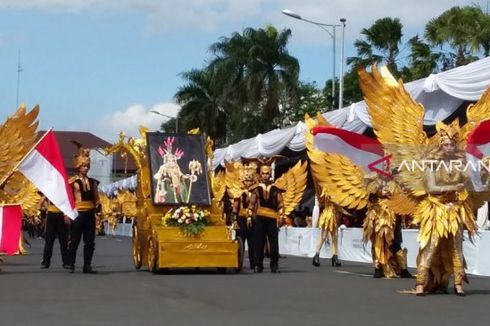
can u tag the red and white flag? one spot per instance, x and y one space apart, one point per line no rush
478 147
363 151
45 168
10 227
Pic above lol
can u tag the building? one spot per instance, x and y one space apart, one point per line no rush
121 167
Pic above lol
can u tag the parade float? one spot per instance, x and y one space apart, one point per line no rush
178 219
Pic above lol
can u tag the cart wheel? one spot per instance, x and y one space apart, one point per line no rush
136 249
152 255
240 254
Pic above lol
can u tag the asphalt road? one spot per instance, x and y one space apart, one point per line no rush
300 295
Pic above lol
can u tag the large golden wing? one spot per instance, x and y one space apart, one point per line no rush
218 185
293 182
398 123
128 202
335 175
106 204
477 113
17 137
233 180
19 190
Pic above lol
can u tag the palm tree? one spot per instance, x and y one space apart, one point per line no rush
381 44
202 104
259 71
423 60
464 29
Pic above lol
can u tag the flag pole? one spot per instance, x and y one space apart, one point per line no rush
25 156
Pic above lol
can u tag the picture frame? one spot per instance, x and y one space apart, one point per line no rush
178 169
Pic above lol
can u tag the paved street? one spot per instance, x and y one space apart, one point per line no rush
300 295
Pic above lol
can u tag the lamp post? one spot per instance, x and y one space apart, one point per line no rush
323 26
167 116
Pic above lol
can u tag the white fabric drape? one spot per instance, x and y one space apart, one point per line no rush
441 94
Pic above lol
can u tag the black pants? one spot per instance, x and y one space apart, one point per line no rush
55 227
247 234
397 239
266 228
84 225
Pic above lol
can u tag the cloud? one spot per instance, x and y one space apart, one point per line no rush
212 15
131 118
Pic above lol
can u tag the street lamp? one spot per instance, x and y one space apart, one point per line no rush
167 116
295 15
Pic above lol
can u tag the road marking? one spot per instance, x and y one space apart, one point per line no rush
354 273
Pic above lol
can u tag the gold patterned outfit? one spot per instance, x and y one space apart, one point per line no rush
441 205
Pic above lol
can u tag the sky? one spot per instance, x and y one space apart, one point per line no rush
102 66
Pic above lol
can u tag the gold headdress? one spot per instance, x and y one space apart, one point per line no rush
82 158
249 172
264 163
450 131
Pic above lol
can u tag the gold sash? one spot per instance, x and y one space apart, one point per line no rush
85 205
53 209
267 212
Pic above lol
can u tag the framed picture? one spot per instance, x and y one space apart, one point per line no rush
178 169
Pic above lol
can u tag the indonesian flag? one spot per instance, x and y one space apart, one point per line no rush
45 168
478 147
363 151
10 227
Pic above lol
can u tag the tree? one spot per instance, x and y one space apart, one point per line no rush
311 100
202 104
465 30
259 72
423 61
381 44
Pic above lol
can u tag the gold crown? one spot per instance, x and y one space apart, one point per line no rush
450 131
82 158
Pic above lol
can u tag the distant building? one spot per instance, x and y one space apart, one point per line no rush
121 167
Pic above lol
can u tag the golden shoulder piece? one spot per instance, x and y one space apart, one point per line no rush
293 183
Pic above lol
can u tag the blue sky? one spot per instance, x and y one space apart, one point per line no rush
101 66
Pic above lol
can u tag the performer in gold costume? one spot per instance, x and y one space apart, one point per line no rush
441 253
18 136
87 202
329 221
345 183
443 207
269 203
244 226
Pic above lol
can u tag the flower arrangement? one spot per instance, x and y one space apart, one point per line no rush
190 219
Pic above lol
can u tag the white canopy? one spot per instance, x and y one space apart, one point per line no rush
441 94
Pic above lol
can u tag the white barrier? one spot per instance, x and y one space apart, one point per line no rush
302 242
123 229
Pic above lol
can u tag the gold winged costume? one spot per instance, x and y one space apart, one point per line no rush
270 202
239 178
18 135
345 184
443 207
329 219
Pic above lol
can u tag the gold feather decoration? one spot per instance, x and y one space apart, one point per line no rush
293 183
18 135
336 176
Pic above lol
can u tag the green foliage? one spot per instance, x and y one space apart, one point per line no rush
464 29
250 85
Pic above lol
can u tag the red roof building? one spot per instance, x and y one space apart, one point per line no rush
121 167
